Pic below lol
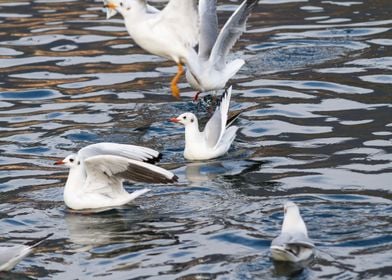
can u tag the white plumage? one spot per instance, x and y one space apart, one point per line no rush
97 172
293 243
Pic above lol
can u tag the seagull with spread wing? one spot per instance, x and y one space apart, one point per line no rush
208 69
217 136
293 243
97 172
170 33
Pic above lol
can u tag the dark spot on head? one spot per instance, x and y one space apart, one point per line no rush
121 4
192 120
79 162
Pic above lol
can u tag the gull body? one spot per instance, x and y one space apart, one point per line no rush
293 243
209 70
170 33
97 172
11 254
217 136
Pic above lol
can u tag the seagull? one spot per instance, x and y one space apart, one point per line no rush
293 243
170 33
217 136
11 255
208 69
97 172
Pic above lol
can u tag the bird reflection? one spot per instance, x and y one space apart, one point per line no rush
289 269
200 172
94 230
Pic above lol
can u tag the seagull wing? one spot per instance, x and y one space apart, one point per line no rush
12 255
231 31
122 150
182 18
216 126
294 239
208 27
105 173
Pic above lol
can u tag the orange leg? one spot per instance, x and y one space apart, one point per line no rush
173 85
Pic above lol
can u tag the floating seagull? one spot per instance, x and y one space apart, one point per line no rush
11 254
97 172
217 136
293 243
170 33
208 70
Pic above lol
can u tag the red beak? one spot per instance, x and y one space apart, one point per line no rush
59 162
174 120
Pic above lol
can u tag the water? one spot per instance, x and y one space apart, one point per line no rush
316 129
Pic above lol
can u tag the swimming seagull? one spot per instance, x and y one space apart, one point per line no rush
97 172
217 136
208 70
170 33
11 254
293 243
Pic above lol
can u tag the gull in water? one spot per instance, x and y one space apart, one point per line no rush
170 33
11 254
217 136
293 243
97 172
209 70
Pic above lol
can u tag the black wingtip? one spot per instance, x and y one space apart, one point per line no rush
232 119
175 179
154 160
38 241
251 3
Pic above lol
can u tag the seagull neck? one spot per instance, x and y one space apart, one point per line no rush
192 132
75 181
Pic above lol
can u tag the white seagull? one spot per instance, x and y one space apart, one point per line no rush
97 172
11 254
170 33
217 136
209 70
293 243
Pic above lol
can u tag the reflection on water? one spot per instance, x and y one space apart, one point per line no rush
315 128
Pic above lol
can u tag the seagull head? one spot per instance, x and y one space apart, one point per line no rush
120 6
185 119
70 161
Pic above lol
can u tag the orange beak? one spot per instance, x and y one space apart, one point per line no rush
111 5
174 120
59 162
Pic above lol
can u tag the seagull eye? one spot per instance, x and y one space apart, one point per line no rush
184 117
121 4
71 159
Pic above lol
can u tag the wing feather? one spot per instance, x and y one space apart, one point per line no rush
128 151
231 31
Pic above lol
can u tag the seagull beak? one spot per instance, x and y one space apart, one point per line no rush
110 9
174 120
59 162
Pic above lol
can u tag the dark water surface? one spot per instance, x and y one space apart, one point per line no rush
316 128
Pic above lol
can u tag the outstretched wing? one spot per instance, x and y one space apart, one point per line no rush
231 31
216 126
105 173
208 27
123 150
182 17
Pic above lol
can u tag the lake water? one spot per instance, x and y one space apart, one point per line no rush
316 128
